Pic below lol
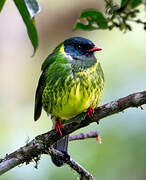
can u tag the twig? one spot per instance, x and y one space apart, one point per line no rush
84 174
81 136
42 142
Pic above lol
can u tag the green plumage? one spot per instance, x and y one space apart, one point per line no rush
67 94
71 81
66 90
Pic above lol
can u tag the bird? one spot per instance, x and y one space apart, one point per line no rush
71 82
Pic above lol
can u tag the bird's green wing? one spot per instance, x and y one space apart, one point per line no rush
41 85
48 61
54 57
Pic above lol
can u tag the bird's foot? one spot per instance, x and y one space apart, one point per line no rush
91 111
59 126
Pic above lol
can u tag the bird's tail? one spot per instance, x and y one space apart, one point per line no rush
62 146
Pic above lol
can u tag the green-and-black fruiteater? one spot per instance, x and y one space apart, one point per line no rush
71 82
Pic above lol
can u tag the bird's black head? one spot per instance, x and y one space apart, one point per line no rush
80 48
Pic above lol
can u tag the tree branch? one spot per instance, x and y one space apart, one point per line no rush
84 174
40 143
81 136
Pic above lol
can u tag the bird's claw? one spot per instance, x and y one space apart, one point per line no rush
91 111
59 126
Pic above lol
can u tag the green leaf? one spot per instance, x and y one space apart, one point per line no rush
124 2
29 22
91 19
2 4
33 7
132 3
135 3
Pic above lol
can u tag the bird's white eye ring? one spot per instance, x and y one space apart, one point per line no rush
79 46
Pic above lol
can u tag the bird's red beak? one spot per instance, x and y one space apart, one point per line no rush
95 48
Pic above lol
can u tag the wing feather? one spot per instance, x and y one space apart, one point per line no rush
38 97
42 81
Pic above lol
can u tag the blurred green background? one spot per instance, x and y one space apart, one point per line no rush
122 154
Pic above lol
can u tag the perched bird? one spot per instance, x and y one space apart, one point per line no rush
71 82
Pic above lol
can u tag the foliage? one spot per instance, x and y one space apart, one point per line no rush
28 9
116 16
2 4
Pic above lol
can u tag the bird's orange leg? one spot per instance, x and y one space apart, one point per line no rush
59 126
